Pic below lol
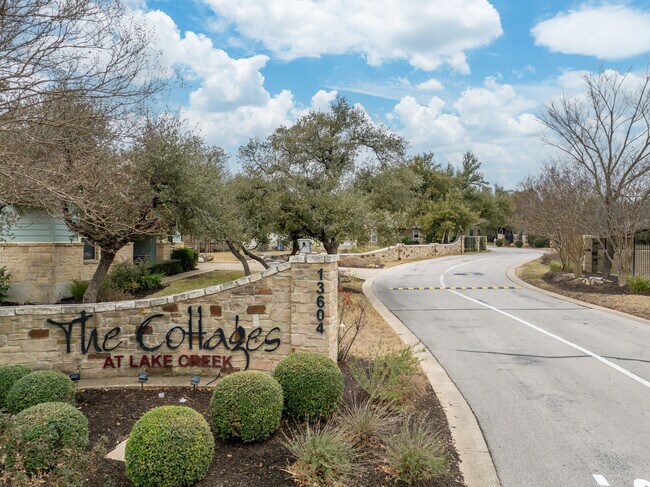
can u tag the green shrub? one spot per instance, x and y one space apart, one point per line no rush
247 405
323 457
639 285
499 243
9 374
416 453
188 257
78 289
519 243
37 387
555 266
540 242
312 385
388 377
42 435
167 267
169 446
133 278
4 284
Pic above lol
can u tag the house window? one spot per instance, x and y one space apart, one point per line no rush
89 249
373 237
415 234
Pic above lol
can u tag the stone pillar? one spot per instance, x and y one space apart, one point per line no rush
314 276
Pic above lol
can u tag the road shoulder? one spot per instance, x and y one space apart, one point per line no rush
476 464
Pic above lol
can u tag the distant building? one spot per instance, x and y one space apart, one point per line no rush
44 257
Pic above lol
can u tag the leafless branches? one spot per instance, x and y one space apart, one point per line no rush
559 205
606 134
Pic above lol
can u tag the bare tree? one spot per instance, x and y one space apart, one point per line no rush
93 47
557 204
606 133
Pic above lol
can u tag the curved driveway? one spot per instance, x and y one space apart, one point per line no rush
560 390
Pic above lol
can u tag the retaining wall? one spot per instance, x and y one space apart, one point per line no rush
403 252
251 323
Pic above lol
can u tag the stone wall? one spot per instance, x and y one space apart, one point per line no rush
41 272
252 323
403 252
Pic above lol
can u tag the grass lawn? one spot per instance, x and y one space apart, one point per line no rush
377 335
198 282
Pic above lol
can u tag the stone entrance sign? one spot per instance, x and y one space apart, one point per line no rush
251 323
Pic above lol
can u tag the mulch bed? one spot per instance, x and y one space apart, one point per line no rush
112 414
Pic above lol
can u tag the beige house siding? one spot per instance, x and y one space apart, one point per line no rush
41 272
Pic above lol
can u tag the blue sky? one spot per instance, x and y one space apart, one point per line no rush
448 76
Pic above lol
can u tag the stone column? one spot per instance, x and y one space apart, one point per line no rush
308 284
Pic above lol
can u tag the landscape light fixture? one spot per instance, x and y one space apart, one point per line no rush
75 377
195 380
143 377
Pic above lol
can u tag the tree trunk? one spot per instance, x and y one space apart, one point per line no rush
255 257
105 260
294 246
242 259
608 259
331 246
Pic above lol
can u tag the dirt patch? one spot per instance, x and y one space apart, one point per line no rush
112 413
608 295
376 335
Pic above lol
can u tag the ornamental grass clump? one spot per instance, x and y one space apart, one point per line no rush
364 422
45 436
246 405
312 385
170 446
9 374
416 453
391 377
322 456
38 387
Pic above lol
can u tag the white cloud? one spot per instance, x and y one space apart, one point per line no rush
322 99
430 85
492 120
426 33
229 103
606 32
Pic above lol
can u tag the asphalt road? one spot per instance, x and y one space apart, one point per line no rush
561 391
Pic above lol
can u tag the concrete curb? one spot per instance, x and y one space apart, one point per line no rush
476 463
511 273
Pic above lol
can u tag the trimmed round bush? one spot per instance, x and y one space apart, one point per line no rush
247 405
40 386
9 374
540 242
499 243
170 446
519 244
46 434
312 385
